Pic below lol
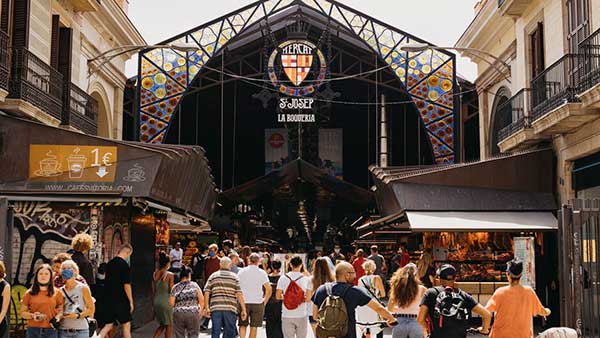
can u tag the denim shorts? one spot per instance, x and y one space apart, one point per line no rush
37 332
73 333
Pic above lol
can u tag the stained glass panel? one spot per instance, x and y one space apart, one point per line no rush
355 20
337 15
269 5
428 75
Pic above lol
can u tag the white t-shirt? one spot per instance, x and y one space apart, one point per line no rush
176 256
304 283
252 279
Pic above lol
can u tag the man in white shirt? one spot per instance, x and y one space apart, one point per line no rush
176 255
294 322
252 281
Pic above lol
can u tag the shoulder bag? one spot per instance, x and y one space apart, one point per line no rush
92 324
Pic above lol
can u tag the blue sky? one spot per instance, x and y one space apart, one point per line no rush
438 21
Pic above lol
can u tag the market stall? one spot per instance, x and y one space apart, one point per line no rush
475 216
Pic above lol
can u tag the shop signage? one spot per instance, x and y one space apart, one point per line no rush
297 59
276 149
72 163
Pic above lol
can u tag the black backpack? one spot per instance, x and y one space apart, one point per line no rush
450 312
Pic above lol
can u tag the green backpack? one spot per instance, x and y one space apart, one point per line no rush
333 316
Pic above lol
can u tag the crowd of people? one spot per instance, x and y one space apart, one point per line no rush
337 295
332 296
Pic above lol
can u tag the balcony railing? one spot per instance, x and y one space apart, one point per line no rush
590 59
84 111
514 110
36 82
4 60
556 85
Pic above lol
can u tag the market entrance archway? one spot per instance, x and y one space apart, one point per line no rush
428 77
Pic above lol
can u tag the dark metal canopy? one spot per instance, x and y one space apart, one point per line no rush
174 175
297 170
519 182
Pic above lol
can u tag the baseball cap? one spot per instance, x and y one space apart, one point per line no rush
515 268
447 272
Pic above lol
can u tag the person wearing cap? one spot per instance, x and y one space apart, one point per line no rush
514 305
447 275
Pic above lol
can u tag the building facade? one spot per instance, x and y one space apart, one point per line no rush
551 94
44 70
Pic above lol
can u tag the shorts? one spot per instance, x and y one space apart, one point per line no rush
118 314
255 314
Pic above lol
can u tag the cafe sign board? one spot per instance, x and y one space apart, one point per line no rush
72 163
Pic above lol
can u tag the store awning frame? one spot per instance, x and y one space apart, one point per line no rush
191 191
458 221
294 171
515 182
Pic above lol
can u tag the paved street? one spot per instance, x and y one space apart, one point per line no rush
148 330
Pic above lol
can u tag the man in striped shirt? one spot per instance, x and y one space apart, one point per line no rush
222 294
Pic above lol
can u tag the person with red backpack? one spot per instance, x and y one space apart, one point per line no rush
295 289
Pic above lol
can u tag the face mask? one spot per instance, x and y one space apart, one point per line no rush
337 251
211 253
67 274
100 276
128 260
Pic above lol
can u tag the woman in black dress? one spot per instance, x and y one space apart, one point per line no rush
273 308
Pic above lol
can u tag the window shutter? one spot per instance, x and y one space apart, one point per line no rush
20 30
6 7
65 58
540 48
54 47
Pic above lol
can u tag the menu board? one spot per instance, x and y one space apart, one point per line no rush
525 251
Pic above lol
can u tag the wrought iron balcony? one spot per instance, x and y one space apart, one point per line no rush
555 86
83 111
514 110
4 60
34 81
590 60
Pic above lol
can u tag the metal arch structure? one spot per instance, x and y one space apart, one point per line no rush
429 77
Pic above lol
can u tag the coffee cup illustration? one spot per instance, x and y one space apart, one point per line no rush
49 166
76 164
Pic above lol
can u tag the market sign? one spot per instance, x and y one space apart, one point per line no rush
297 59
72 163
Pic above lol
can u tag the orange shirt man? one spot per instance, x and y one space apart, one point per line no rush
515 305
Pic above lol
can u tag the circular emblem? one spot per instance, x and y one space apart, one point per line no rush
297 58
276 140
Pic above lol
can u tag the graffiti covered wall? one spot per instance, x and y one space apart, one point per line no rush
40 231
116 231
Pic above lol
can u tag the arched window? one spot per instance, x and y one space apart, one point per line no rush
500 119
